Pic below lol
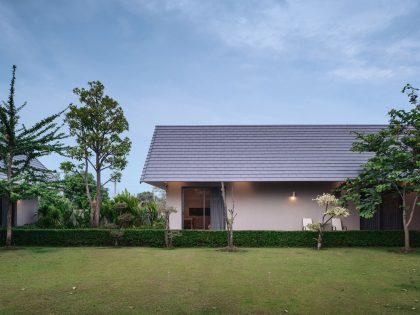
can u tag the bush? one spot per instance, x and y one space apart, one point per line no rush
191 238
127 211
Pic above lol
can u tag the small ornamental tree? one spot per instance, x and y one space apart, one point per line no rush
332 209
166 212
230 216
395 167
97 125
19 146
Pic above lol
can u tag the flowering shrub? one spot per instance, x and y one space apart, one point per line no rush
332 209
337 212
326 199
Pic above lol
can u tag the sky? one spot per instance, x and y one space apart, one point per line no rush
212 62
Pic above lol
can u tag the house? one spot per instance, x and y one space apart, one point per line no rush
270 172
24 211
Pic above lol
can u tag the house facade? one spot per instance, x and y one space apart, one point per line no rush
24 211
271 174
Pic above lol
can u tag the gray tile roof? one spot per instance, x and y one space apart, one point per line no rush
34 163
254 153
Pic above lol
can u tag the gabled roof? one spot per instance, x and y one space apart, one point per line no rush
254 153
35 163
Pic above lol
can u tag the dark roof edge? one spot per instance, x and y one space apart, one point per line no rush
143 173
278 125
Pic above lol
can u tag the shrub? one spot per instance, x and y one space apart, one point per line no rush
127 211
125 220
196 238
56 211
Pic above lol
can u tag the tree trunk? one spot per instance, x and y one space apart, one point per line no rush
85 175
319 244
168 242
9 223
406 248
230 244
98 194
10 205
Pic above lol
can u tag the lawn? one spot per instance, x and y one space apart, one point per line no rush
207 281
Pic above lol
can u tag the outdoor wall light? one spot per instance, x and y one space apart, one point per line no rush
293 196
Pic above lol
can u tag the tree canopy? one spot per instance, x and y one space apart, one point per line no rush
97 125
395 166
20 146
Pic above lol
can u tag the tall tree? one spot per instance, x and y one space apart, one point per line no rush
19 146
98 125
395 167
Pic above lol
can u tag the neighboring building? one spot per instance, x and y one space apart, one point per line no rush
24 211
274 173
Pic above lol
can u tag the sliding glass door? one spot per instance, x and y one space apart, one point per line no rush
196 208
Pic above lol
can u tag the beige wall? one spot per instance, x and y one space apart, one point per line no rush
174 199
266 206
269 206
26 211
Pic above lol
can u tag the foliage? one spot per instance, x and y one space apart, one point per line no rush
149 214
145 197
98 125
206 238
56 211
19 146
74 189
125 210
125 220
332 209
394 168
117 236
126 202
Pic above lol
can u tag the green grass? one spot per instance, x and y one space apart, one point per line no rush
207 281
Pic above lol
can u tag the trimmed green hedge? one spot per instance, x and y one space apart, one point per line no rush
197 238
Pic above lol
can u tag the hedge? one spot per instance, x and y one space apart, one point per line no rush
197 238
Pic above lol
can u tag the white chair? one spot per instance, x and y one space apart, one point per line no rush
305 222
337 225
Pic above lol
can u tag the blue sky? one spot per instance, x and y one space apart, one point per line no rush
212 62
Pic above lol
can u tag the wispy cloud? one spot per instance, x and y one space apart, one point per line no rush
364 73
341 34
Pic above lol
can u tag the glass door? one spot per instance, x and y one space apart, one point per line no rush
196 208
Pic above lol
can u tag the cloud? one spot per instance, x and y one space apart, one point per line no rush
364 73
341 35
9 34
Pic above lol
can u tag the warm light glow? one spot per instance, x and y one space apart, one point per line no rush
293 196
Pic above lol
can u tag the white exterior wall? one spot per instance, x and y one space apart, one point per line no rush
26 211
269 206
266 206
174 199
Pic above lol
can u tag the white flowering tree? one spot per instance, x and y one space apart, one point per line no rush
332 209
